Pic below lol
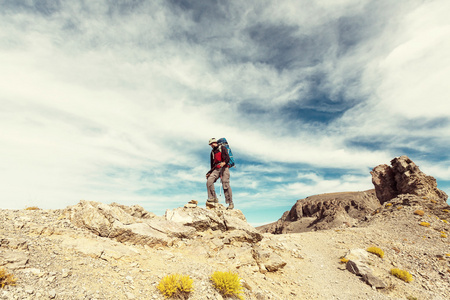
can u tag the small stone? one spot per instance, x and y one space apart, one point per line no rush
66 273
373 281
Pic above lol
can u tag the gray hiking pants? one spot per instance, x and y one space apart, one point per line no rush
225 183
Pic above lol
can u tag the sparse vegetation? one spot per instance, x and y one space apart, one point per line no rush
402 274
425 224
227 283
344 260
446 211
419 212
433 201
32 208
443 235
6 278
376 250
445 221
388 204
176 285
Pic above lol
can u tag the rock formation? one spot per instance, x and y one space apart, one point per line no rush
324 211
136 226
404 177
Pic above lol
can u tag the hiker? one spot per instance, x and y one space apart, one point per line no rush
219 168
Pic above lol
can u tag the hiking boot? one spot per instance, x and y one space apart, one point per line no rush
212 200
230 206
210 205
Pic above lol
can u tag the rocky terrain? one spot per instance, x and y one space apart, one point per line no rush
325 211
97 251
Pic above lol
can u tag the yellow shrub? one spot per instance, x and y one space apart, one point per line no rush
32 208
446 211
445 221
227 283
388 204
419 212
443 235
426 224
402 274
6 278
344 260
176 285
376 250
433 201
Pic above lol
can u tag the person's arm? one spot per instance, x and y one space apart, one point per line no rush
211 159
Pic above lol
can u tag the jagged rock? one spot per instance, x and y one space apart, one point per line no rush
191 204
358 264
325 211
373 281
232 221
268 261
125 225
106 249
9 243
404 177
13 260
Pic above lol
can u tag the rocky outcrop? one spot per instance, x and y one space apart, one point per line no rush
404 177
137 226
230 221
325 211
124 225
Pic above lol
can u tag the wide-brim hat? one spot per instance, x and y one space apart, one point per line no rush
212 140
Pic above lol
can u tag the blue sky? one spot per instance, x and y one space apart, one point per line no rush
115 101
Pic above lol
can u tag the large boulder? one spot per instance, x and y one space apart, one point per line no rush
230 221
325 211
404 177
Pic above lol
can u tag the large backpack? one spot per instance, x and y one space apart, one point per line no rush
223 142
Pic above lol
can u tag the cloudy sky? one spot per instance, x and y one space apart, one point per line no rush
115 101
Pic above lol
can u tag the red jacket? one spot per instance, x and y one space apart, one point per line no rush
218 155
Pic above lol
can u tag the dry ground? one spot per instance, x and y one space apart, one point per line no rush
55 260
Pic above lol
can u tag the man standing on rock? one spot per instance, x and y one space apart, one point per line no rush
219 168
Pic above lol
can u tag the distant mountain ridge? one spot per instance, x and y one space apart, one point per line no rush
345 209
325 211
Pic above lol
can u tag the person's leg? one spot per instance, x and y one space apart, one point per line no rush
210 186
227 188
